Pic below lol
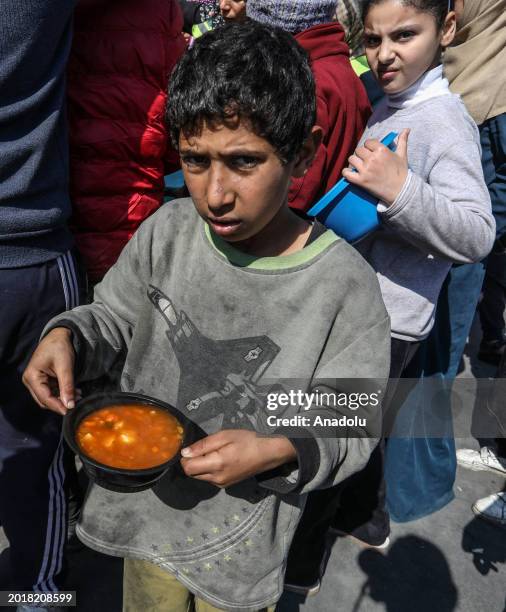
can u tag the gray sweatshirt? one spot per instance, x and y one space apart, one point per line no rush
442 215
192 321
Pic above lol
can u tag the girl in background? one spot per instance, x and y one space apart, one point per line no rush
434 209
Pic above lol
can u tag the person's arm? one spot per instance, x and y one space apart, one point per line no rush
450 216
327 454
190 14
356 357
232 455
87 342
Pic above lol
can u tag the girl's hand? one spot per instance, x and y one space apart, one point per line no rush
232 455
380 171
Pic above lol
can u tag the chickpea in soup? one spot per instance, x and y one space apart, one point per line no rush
132 436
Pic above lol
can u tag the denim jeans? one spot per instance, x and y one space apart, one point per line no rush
493 143
410 495
420 471
493 159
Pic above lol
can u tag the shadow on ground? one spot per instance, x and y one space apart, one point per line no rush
412 575
487 545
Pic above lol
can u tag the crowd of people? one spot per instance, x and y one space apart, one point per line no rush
211 301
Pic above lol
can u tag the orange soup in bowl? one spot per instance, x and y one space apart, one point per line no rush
130 436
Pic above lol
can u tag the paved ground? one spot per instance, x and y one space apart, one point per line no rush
450 561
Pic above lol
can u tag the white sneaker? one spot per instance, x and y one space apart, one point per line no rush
308 591
492 508
381 546
484 459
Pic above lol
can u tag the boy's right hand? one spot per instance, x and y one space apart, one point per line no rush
49 375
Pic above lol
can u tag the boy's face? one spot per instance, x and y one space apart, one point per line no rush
236 179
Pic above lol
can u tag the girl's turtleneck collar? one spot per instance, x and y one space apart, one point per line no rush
430 85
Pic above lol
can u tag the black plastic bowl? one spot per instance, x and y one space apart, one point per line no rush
119 479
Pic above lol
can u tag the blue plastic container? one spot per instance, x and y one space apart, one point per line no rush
348 210
174 186
174 180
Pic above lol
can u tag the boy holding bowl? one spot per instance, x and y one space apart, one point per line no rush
211 307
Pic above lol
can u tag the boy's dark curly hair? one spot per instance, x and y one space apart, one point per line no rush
247 70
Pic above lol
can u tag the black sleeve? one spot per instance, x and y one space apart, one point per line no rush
190 14
308 460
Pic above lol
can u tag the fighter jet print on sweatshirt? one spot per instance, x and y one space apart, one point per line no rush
217 377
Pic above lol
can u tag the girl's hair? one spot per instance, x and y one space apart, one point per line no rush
439 9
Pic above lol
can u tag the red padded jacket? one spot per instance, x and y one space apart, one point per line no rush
342 111
122 55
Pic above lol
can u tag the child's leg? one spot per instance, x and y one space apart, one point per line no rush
496 405
363 511
202 606
306 558
152 589
356 506
491 310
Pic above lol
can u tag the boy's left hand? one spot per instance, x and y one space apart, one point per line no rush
231 455
378 170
